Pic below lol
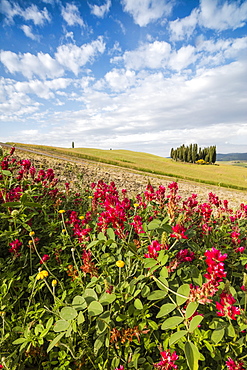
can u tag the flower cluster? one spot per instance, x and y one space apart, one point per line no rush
168 361
234 365
15 247
153 249
215 274
225 306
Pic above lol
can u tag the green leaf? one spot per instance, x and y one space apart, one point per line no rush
11 204
107 298
6 172
162 283
138 304
162 258
165 309
231 331
95 308
195 322
150 262
98 344
175 337
184 290
110 233
79 303
55 341
191 308
164 272
192 355
80 318
217 335
61 325
172 322
156 295
154 224
68 313
20 340
90 295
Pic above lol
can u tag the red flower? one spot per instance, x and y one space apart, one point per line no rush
234 365
45 258
225 306
167 361
178 232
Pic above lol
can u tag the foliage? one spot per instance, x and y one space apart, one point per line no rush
94 279
192 154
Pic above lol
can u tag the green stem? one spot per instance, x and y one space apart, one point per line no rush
170 290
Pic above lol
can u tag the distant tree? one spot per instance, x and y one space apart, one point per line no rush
73 144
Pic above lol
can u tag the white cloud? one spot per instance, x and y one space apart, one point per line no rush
28 32
183 28
146 11
10 10
182 58
120 80
71 15
150 55
73 57
223 16
32 13
211 14
42 65
101 11
39 17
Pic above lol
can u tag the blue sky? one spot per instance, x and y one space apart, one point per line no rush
143 75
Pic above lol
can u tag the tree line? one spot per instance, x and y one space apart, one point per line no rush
192 154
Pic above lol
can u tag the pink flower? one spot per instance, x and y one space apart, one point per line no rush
225 306
178 232
234 365
15 246
153 249
119 368
45 258
167 361
137 223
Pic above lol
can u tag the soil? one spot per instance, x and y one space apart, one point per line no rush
81 173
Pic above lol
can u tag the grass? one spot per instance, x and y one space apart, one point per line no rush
221 174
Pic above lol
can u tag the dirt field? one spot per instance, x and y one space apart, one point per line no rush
84 172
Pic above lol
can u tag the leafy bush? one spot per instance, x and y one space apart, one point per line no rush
96 280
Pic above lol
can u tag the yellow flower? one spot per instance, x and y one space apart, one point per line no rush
81 217
42 274
54 282
120 263
63 231
31 233
61 211
90 197
136 205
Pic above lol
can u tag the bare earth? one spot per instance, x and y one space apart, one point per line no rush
68 169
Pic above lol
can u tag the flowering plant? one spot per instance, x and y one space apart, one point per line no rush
150 282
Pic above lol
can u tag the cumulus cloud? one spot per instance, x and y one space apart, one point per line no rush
68 56
150 55
28 32
42 65
184 28
146 11
32 13
120 80
101 11
211 14
71 15
73 57
222 16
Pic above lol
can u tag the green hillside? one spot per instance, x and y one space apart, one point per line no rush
221 175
